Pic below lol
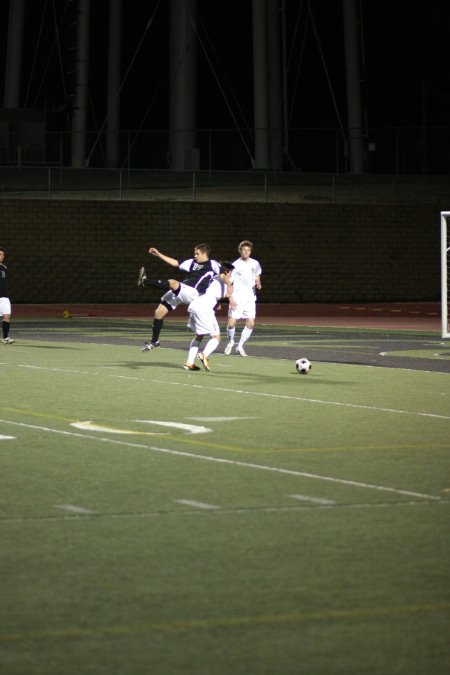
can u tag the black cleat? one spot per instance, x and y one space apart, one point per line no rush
149 346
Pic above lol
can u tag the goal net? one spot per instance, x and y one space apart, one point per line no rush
445 253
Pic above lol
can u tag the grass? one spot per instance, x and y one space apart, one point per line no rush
247 521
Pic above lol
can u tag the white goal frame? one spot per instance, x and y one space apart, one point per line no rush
445 253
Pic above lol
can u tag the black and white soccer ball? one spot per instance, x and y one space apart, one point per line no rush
303 366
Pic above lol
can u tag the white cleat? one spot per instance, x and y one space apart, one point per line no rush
7 341
228 349
240 351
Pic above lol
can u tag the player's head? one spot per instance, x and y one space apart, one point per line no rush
226 267
245 248
201 252
2 253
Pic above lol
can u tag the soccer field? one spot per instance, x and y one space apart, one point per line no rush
245 521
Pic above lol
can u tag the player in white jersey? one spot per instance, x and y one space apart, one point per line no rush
246 279
202 318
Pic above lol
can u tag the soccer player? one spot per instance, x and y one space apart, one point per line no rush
5 303
246 277
202 318
200 270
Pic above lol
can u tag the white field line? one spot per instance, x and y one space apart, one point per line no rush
7 438
74 509
221 460
314 500
285 397
198 505
76 517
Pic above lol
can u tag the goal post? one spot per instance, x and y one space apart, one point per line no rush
445 253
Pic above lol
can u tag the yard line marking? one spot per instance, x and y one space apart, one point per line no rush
80 372
91 426
74 509
286 397
198 505
7 438
222 460
307 400
234 448
253 393
314 500
221 419
189 428
219 511
192 624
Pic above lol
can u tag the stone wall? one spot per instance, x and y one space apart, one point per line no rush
90 251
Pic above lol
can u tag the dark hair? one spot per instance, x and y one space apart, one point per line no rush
226 266
204 248
3 249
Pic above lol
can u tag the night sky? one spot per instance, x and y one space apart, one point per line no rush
406 78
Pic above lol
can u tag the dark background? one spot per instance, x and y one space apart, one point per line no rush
406 74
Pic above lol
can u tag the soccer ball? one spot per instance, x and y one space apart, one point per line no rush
303 366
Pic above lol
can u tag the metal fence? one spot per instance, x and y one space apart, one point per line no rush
396 151
261 186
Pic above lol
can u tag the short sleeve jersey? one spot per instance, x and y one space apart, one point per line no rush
243 278
216 290
3 270
199 274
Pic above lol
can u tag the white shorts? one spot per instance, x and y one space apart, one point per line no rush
184 297
204 322
5 306
244 310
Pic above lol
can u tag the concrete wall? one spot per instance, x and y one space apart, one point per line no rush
90 251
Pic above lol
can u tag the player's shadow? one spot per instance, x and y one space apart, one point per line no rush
138 365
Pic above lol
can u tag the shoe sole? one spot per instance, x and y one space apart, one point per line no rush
205 365
142 276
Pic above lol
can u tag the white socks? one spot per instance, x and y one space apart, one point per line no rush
193 351
211 345
246 332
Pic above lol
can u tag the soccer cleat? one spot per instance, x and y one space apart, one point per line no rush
191 366
142 276
240 351
149 346
204 360
7 341
228 348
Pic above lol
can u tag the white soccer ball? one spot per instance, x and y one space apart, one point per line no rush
303 366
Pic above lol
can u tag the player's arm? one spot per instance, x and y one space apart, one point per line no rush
258 284
229 295
166 258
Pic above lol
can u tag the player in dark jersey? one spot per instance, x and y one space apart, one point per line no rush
5 303
200 270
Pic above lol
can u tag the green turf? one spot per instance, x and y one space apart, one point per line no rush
308 537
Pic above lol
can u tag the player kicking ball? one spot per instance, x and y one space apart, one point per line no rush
203 321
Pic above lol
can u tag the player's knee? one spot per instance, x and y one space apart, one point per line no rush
160 312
